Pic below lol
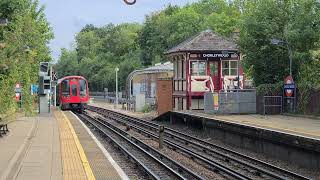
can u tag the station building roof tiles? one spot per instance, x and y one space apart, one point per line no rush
205 41
164 66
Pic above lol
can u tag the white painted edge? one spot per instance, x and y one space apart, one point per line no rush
120 172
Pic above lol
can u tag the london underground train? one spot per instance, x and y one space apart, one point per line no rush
73 93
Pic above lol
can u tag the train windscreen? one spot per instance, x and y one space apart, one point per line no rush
65 88
83 87
74 89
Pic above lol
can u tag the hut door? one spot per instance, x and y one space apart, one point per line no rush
214 73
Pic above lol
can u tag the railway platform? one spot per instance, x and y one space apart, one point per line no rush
291 139
290 124
54 146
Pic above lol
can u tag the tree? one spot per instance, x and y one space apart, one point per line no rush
67 63
293 21
167 28
26 40
98 51
130 45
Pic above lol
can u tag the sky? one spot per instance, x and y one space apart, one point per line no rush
67 17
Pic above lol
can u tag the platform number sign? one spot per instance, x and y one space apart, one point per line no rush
289 94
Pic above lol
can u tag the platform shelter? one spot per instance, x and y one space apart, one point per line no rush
206 62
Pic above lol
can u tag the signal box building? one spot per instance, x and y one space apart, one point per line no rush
206 62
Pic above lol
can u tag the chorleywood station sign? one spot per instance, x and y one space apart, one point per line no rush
215 55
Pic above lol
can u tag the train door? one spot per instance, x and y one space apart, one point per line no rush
214 74
74 94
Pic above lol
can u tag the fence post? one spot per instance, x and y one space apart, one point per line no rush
281 100
264 105
238 100
161 134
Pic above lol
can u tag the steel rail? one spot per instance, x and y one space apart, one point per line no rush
130 155
153 150
123 135
205 147
207 161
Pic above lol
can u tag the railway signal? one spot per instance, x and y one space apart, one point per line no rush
45 85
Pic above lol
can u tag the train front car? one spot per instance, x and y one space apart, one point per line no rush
73 93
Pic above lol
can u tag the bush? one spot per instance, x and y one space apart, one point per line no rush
270 89
146 108
309 85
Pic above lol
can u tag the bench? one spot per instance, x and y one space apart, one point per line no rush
4 125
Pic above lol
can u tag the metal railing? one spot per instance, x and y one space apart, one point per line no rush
273 102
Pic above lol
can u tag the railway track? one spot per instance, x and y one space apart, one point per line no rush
217 158
155 164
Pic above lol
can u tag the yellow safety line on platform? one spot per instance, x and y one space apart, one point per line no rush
83 156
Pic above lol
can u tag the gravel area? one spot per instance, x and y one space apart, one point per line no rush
314 174
188 162
184 160
147 116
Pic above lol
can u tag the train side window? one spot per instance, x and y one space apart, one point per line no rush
74 89
65 88
83 87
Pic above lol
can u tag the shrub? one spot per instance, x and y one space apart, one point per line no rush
146 108
270 89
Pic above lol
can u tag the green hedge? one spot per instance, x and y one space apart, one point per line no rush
270 89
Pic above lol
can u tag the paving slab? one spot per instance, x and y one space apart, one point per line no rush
74 162
15 143
32 149
43 157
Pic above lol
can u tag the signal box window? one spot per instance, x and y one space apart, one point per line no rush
65 88
83 87
198 68
74 90
229 68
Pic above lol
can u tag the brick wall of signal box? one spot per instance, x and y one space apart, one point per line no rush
164 95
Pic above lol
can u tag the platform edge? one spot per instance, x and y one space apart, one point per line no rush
83 157
120 172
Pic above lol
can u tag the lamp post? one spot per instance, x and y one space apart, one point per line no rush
290 100
116 69
279 42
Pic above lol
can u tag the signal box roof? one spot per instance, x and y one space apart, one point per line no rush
205 41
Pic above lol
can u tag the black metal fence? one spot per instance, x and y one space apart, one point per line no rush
272 104
307 103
